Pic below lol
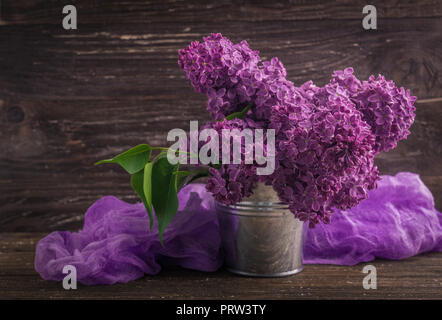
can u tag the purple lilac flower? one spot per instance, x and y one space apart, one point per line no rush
388 110
232 182
326 137
323 147
218 64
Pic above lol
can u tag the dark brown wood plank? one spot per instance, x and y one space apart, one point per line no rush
68 99
134 61
133 11
418 277
48 179
421 152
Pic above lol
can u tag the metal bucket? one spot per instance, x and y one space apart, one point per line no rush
260 236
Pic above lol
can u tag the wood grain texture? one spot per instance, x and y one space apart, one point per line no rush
69 98
419 277
133 11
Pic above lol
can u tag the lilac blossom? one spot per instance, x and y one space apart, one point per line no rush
218 64
323 148
326 137
232 182
388 110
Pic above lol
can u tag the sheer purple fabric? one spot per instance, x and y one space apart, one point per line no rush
115 245
397 221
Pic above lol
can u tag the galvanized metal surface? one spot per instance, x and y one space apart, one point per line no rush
261 238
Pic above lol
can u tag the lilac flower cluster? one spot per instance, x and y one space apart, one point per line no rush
233 75
324 153
388 110
326 137
231 182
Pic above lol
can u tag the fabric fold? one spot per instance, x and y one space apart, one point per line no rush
115 244
397 221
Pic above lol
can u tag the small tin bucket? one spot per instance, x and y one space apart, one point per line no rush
261 238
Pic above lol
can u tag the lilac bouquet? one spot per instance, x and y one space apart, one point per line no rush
326 137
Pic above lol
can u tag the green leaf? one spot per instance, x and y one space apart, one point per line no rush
137 181
147 189
198 175
164 192
240 114
132 160
181 178
216 166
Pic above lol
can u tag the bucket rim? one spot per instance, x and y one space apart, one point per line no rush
259 209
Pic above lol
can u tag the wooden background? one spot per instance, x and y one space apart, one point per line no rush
70 98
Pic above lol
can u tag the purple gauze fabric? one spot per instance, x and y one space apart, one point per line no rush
397 221
116 246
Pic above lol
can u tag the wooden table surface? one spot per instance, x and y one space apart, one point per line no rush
70 98
419 277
